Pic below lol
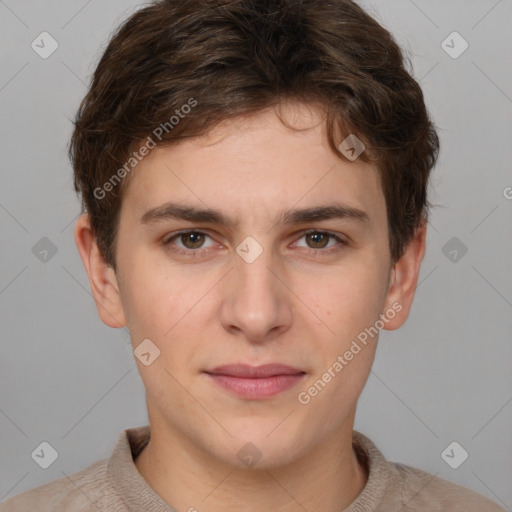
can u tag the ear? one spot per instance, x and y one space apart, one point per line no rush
102 278
404 279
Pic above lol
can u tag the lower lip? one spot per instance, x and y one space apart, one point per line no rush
256 388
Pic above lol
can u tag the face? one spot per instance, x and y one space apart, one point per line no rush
288 266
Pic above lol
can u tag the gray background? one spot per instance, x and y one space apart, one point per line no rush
445 376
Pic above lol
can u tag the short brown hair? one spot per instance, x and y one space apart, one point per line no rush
237 57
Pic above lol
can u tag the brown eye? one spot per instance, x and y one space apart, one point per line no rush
321 242
189 243
318 240
192 240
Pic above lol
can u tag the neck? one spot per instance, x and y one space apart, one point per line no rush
328 478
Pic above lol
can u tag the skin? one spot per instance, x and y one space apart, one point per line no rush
294 305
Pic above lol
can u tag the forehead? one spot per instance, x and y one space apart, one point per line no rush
254 166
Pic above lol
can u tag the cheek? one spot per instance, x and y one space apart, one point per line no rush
152 299
348 299
344 354
169 308
160 307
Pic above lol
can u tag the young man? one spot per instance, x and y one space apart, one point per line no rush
253 177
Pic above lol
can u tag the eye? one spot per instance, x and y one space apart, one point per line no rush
192 242
318 241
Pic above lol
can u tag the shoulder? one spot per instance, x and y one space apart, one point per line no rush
395 486
84 491
425 491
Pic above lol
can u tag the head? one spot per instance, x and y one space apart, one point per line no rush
240 110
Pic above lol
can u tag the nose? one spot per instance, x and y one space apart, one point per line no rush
256 300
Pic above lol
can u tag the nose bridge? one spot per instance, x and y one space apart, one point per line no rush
255 265
257 300
254 274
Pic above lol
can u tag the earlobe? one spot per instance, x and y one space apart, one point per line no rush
102 278
404 279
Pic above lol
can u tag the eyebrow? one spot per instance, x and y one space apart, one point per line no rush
173 211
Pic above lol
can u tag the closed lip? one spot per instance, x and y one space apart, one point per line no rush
255 372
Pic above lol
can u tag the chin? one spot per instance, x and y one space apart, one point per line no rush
259 448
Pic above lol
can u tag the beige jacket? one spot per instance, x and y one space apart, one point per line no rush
115 485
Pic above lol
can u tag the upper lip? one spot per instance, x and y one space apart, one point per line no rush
247 371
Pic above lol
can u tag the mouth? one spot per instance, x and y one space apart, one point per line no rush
255 382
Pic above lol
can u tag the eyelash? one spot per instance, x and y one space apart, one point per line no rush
192 253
